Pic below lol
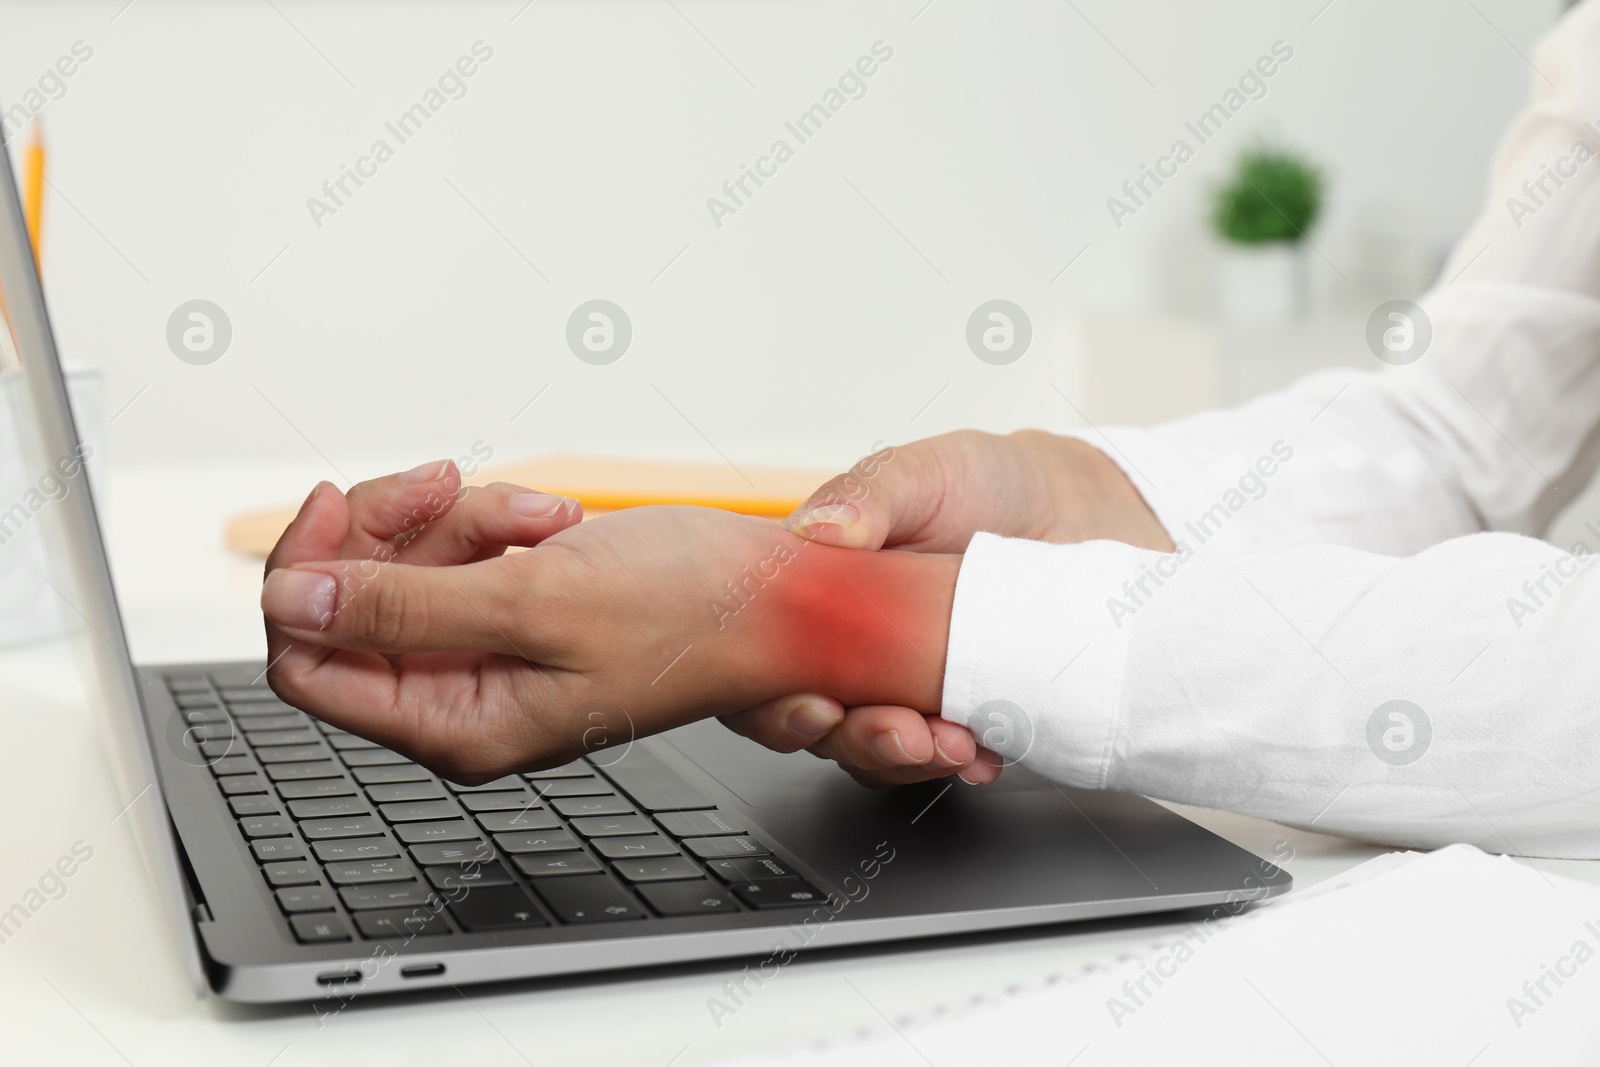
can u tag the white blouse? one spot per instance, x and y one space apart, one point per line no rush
1359 633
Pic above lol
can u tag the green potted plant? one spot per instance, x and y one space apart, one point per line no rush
1262 214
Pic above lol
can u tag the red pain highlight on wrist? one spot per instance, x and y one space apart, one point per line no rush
863 627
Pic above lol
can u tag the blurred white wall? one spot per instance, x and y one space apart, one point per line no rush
825 315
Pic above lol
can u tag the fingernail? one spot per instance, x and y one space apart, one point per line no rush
962 775
888 749
427 472
538 505
811 721
843 516
945 757
301 599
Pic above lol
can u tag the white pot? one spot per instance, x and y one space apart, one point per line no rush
1263 285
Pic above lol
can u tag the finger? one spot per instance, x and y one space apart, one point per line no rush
984 769
788 723
396 505
856 509
316 532
485 521
887 499
392 608
883 745
443 709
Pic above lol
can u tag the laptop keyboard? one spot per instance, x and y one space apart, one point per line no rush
358 842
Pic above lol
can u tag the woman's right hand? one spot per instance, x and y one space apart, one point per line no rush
932 496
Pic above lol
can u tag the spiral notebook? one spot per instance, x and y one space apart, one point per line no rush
1450 957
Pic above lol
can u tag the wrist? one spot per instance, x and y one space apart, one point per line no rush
864 627
1090 497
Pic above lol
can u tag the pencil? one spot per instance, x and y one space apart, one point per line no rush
33 187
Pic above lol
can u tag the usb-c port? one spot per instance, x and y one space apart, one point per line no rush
422 970
338 977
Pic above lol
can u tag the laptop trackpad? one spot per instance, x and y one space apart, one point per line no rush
766 779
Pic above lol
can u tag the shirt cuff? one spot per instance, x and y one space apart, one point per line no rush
1038 642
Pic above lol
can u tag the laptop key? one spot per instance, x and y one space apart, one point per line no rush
371 757
257 805
294 772
290 753
510 781
271 849
576 769
750 869
654 786
247 694
721 848
399 772
557 863
494 801
778 894
316 929
576 807
327 829
355 848
404 923
546 841
233 746
235 784
246 713
316 787
266 826
363 872
279 738
618 826
292 721
635 848
510 821
291 872
195 716
194 700
667 869
389 895
574 787
234 765
699 823
210 731
305 898
688 898
496 907
403 791
438 853
456 877
416 833
188 683
346 742
420 811
588 899
328 807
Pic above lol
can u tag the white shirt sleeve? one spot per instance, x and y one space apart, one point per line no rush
1494 428
1328 648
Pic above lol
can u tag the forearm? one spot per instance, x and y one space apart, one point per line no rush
1255 683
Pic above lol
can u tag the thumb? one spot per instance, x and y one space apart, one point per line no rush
362 605
865 507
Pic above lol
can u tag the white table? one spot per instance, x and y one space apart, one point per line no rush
93 978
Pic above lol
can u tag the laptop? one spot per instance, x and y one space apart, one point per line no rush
299 862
